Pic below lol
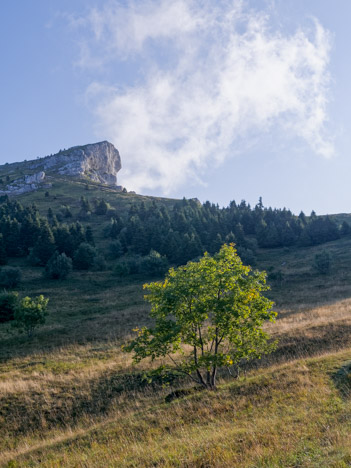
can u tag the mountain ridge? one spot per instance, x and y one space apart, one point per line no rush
98 162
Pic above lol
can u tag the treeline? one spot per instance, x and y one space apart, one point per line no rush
190 228
24 232
161 233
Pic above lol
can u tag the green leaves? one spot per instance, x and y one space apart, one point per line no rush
210 313
31 313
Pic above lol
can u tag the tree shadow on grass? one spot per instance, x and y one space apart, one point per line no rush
342 380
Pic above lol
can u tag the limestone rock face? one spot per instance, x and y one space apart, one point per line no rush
99 162
28 183
35 178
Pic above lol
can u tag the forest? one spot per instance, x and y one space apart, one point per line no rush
175 233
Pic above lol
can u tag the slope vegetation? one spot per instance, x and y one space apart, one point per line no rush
70 397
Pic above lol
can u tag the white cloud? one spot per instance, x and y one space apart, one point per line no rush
211 76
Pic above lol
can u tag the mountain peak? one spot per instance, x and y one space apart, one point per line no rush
98 162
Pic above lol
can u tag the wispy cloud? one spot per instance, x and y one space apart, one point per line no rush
210 76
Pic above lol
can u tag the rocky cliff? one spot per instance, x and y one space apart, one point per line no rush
99 162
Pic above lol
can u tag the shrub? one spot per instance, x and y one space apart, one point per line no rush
122 269
58 267
134 263
115 250
10 277
101 207
99 263
30 314
3 256
84 257
128 265
154 264
8 305
247 256
322 262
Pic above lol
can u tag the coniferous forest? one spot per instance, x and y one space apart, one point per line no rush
176 233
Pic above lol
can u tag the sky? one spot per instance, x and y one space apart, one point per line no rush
222 101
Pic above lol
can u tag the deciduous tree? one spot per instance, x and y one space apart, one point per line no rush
208 314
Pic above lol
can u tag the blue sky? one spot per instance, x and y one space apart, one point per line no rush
216 100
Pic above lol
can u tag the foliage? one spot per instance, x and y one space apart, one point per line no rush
84 257
10 277
101 207
121 268
181 231
30 314
115 250
213 306
345 229
44 247
99 263
59 266
154 264
3 256
322 262
8 305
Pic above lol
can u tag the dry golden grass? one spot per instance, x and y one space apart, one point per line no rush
71 398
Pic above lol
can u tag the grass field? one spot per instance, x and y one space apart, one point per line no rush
69 397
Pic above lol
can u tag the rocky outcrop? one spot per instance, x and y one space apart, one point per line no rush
99 162
28 183
35 178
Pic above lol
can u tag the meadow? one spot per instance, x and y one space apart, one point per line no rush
70 397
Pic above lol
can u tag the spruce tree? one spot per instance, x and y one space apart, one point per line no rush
3 256
44 247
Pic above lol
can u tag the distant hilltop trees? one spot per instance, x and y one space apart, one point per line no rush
177 233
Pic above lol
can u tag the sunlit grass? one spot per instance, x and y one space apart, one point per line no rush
71 398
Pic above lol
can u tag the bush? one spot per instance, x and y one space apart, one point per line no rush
99 263
8 305
30 314
154 264
84 257
129 265
58 267
247 256
121 269
10 277
322 262
102 207
115 250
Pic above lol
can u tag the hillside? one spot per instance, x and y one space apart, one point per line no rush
70 397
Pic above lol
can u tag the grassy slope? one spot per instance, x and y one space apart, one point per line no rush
70 397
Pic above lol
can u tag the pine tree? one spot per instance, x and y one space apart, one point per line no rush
44 247
89 237
3 256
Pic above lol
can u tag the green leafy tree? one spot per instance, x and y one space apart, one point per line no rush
115 250
154 264
58 266
8 305
84 257
10 276
208 314
3 256
30 314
